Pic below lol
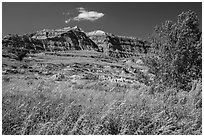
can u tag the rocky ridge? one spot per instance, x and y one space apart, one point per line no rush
109 42
72 38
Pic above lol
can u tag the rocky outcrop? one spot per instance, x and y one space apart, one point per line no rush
15 44
109 42
49 40
66 39
73 38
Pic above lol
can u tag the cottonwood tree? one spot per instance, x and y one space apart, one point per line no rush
178 49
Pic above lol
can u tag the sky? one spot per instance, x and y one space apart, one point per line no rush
135 19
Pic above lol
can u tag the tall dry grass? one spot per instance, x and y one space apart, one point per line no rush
145 111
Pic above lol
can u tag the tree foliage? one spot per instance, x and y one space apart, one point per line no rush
178 47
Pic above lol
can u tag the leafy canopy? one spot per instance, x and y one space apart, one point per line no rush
178 49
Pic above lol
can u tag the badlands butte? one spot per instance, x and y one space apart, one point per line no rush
81 59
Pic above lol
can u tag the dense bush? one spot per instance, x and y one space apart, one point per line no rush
178 50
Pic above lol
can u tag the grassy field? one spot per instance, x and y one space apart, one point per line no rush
54 95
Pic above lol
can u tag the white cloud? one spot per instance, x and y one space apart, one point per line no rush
85 15
88 15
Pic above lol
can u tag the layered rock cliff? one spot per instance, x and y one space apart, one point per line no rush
110 42
49 40
73 38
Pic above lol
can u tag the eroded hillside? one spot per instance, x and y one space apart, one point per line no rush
67 39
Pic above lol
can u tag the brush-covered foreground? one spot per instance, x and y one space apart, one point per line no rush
88 93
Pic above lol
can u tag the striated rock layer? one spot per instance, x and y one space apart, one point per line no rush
73 39
49 40
109 42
